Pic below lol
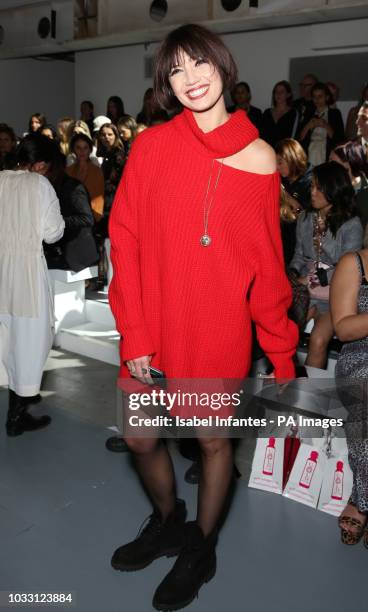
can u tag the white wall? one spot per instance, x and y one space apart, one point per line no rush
112 72
262 58
30 86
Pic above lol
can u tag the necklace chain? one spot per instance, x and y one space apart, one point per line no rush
206 239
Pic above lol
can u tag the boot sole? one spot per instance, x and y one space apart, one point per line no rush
13 434
184 604
37 428
135 568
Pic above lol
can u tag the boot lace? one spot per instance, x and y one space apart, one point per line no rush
151 527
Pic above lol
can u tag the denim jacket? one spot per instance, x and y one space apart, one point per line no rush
349 237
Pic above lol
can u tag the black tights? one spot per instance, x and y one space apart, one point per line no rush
155 468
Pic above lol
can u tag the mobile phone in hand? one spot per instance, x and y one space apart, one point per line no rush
155 373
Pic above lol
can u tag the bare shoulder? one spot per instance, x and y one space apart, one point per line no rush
257 157
347 267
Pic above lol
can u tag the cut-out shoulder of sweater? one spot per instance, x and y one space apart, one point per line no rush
258 157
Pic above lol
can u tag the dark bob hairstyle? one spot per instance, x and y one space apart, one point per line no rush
34 148
197 42
353 153
333 181
80 136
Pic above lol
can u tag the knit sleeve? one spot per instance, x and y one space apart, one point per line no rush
270 296
125 293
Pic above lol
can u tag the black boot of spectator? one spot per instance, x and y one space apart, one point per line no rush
116 444
19 420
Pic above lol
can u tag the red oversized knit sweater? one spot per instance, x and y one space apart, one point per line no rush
188 305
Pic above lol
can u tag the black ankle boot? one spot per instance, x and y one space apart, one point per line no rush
156 539
195 565
15 411
19 420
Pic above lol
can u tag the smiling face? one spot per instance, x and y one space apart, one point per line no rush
195 83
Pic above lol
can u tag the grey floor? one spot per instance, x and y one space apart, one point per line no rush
66 503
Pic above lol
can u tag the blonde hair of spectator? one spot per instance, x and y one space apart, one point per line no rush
286 211
80 127
63 132
294 155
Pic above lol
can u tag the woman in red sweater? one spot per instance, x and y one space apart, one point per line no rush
197 256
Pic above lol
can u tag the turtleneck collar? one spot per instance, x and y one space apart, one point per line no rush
223 141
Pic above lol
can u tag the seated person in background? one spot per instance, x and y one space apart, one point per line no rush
49 131
362 125
325 232
241 97
141 127
87 172
325 130
150 109
127 128
296 177
351 155
115 109
304 105
63 132
111 150
279 121
351 129
349 311
334 93
80 127
36 122
8 144
77 248
87 113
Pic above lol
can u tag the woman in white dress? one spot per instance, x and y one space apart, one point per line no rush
29 215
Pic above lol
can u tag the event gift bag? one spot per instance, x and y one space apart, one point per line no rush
305 480
337 479
268 465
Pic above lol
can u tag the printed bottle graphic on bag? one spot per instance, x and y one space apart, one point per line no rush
308 471
269 458
338 481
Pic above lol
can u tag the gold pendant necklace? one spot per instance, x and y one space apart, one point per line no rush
206 239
